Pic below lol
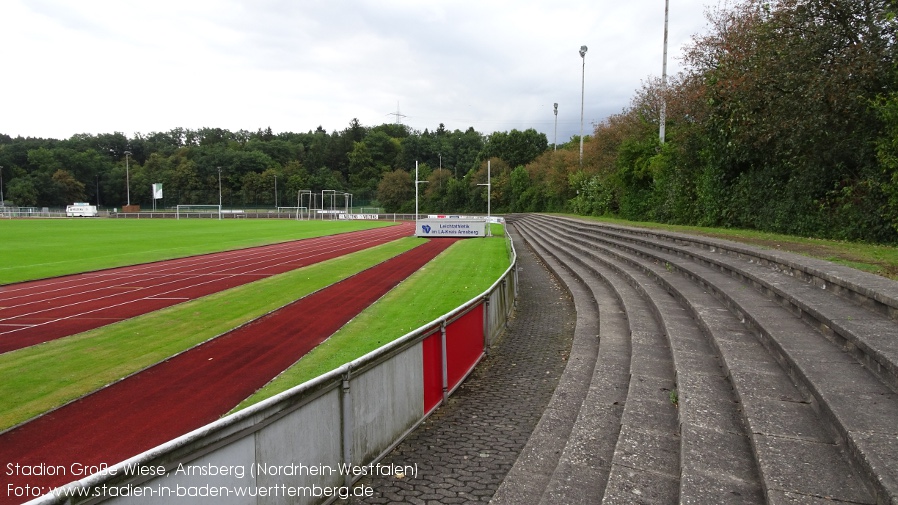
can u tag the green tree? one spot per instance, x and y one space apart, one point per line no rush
789 87
519 185
516 147
68 189
22 192
396 191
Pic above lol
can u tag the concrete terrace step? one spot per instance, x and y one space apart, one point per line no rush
646 426
539 458
839 402
866 327
716 459
779 413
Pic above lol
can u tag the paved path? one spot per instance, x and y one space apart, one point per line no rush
465 449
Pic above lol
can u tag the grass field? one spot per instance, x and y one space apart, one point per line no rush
40 248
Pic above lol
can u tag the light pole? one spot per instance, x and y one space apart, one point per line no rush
489 191
275 191
219 192
582 99
555 142
2 201
128 176
416 195
664 78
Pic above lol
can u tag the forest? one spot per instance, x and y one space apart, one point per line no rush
262 169
785 119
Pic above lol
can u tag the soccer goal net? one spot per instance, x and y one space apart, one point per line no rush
198 211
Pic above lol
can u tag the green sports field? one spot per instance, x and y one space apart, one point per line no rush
39 378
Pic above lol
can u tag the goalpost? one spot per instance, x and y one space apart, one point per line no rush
300 212
198 211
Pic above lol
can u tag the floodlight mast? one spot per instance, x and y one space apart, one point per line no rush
416 195
582 99
128 177
489 191
663 119
555 142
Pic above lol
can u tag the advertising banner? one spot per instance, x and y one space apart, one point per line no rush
450 228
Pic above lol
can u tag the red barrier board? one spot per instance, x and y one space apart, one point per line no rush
464 344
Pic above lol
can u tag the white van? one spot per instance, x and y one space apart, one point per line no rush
81 210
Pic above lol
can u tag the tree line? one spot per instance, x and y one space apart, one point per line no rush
785 119
375 164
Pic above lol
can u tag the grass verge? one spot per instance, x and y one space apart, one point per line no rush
42 377
877 259
41 248
462 272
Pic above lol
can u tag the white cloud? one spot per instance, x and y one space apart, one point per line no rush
97 66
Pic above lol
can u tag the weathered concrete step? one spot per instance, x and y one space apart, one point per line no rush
716 459
873 291
585 463
649 420
859 408
868 334
597 429
532 472
788 437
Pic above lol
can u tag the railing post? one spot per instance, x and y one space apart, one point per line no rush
514 273
486 322
504 305
444 362
347 425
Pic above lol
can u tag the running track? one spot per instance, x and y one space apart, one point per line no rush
198 386
40 311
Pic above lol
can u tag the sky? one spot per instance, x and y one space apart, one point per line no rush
104 66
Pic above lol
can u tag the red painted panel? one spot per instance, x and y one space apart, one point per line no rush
464 344
433 371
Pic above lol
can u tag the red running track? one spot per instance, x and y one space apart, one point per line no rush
40 311
196 387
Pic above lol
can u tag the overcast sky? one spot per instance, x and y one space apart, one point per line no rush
101 66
